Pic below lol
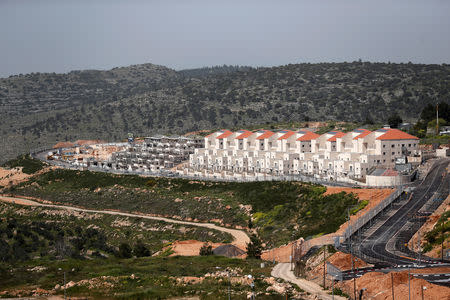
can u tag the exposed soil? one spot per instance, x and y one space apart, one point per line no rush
379 287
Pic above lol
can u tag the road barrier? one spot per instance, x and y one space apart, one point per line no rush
363 220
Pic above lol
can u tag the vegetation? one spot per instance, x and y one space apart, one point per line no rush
254 248
206 250
280 211
28 164
428 120
55 234
439 233
134 278
40 109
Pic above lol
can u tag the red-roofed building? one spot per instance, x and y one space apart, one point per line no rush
396 134
225 134
243 134
303 141
333 156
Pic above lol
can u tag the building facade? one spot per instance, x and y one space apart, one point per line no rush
333 156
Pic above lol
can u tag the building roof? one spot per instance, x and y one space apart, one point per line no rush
211 134
286 134
243 134
337 134
362 133
226 133
395 134
266 134
307 136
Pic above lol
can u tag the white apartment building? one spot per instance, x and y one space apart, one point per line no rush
333 156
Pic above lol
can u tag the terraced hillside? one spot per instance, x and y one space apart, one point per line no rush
39 109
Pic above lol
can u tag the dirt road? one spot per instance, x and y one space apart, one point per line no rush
240 237
282 270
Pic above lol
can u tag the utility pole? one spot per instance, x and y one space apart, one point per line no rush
229 286
351 255
324 267
392 285
65 285
437 119
409 285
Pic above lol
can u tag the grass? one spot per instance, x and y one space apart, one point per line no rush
28 164
138 278
439 233
281 210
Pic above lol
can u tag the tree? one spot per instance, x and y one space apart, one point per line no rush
394 120
141 250
206 250
124 251
254 248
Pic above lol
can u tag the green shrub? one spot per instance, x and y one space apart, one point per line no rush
29 165
124 251
254 248
206 250
141 250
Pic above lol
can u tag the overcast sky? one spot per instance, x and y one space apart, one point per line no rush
59 36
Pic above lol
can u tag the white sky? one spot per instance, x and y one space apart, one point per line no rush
59 35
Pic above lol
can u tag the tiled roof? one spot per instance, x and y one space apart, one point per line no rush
337 134
287 134
226 133
243 134
362 133
265 135
211 134
396 134
308 135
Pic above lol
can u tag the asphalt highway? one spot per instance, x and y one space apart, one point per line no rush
385 246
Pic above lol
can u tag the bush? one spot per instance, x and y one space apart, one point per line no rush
124 251
141 250
254 248
206 250
29 165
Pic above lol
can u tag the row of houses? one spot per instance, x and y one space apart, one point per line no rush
156 153
332 156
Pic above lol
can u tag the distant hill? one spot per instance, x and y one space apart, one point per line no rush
40 109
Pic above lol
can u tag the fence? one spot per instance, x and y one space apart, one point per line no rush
360 222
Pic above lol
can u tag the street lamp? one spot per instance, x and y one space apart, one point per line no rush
423 289
361 291
252 285
59 269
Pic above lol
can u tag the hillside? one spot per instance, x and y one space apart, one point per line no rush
39 109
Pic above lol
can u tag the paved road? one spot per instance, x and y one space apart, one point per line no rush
240 237
375 245
283 271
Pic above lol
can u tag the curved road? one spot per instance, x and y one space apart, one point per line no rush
240 237
375 245
283 270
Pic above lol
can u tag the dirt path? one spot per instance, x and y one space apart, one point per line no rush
282 270
240 237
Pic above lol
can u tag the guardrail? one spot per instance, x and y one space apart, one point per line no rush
363 220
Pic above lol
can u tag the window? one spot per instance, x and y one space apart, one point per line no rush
384 146
392 146
393 153
409 145
384 153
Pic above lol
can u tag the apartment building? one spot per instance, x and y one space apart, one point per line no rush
333 156
156 153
